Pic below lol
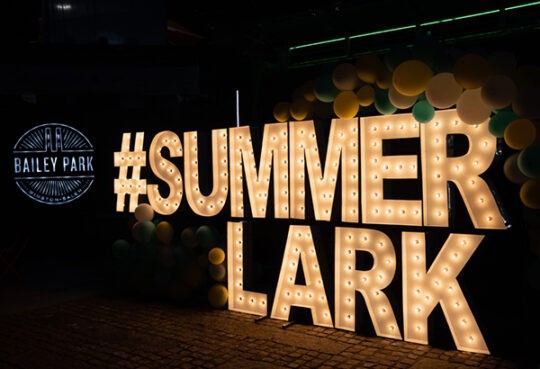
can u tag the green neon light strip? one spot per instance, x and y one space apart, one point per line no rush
383 31
459 18
413 26
318 43
522 5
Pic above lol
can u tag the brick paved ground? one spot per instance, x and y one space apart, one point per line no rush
99 331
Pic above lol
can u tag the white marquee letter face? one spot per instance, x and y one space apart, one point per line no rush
376 167
212 204
135 159
464 171
239 299
342 144
312 295
274 150
422 290
166 171
370 283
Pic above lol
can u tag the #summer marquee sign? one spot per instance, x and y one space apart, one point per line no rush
304 177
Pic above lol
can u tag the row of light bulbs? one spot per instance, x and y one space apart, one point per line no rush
290 154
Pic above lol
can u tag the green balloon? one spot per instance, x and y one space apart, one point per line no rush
382 103
324 88
423 112
529 160
120 248
207 236
144 232
499 122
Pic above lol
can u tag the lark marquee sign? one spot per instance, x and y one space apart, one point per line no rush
303 177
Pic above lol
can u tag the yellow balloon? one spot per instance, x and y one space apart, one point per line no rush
411 77
384 78
365 95
472 71
164 232
300 109
346 105
530 193
281 111
520 133
216 256
367 67
218 295
307 91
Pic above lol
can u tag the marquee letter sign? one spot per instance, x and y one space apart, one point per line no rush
302 182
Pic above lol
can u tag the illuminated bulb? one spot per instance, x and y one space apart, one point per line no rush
298 239
417 309
368 282
273 159
166 171
389 167
470 184
235 273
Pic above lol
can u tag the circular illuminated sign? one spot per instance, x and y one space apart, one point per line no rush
53 163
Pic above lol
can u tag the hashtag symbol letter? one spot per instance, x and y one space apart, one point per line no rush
131 185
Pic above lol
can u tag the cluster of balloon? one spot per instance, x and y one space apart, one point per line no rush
490 89
186 266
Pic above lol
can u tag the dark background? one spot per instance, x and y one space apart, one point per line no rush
126 66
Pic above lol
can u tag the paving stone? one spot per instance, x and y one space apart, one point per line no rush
97 332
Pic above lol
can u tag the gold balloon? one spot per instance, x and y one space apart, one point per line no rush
218 295
365 95
519 134
346 105
384 78
300 109
164 232
367 67
216 256
530 193
411 77
281 111
306 91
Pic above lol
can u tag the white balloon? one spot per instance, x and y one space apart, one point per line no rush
400 101
442 90
471 109
144 212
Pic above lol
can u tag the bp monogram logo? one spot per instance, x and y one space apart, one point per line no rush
53 163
